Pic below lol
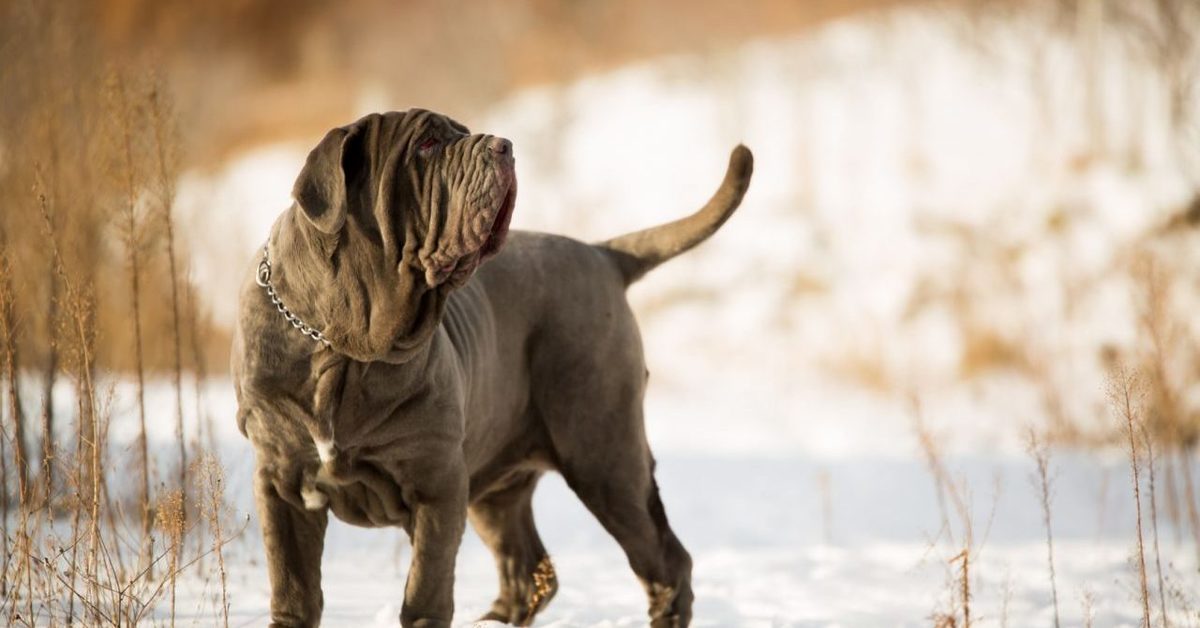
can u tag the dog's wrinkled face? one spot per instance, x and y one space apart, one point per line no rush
466 191
399 208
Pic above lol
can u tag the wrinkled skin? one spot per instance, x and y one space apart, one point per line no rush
449 385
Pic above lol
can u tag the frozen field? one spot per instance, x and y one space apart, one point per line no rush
789 538
764 555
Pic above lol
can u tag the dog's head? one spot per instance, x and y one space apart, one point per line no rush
392 212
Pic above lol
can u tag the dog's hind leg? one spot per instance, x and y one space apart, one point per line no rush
504 520
622 494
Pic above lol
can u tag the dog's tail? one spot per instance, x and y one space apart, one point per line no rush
637 253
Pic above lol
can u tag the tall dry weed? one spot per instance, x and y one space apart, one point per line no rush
1043 479
958 525
1168 422
1151 464
171 523
211 479
1124 396
132 235
166 172
11 368
100 158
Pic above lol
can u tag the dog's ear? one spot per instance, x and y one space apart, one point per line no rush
320 189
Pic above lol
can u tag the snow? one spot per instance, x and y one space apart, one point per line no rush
753 528
778 537
784 353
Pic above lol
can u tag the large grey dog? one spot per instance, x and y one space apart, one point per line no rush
385 373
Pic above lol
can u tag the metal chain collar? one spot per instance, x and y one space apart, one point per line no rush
263 278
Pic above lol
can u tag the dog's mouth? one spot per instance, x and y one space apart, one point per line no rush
499 231
457 270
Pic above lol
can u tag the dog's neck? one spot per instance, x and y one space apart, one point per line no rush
367 312
263 279
308 361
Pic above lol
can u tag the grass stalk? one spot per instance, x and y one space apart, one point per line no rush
1122 390
5 555
49 377
1151 462
8 335
132 249
212 475
171 522
199 376
1040 453
166 192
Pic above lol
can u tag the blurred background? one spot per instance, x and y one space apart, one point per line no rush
972 224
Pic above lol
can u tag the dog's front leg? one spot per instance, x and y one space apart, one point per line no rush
438 501
294 539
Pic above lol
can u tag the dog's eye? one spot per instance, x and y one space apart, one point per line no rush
428 144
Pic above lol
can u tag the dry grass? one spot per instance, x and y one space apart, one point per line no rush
1123 395
1168 361
11 365
957 528
1151 463
133 245
78 546
170 521
211 478
1039 451
164 183
93 148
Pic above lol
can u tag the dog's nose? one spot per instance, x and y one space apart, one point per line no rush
500 146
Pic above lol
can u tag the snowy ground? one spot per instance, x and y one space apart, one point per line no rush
799 490
779 539
763 556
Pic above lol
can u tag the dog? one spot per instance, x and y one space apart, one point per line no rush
401 359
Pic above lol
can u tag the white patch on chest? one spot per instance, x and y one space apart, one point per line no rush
313 498
325 450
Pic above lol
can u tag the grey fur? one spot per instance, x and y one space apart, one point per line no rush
450 385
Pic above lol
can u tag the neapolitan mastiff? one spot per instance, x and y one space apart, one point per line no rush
385 373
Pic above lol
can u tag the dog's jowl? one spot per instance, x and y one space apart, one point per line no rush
401 359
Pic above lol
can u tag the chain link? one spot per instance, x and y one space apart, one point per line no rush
263 278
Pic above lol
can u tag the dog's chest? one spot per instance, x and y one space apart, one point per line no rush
361 493
360 489
381 425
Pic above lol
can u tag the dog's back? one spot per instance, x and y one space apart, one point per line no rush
547 338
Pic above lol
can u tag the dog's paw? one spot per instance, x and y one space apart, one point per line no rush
527 597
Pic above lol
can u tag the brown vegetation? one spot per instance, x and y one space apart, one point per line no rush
89 287
84 124
1039 451
956 510
1122 394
